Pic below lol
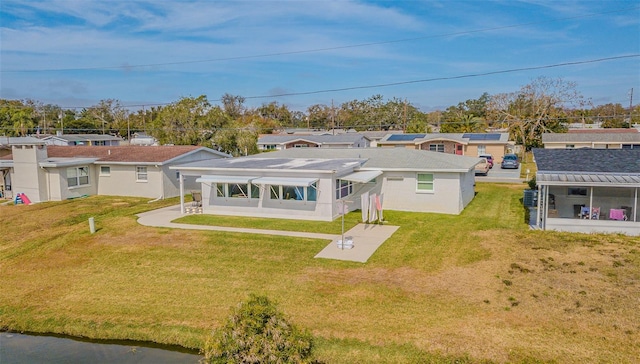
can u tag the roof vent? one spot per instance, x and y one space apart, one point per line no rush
109 152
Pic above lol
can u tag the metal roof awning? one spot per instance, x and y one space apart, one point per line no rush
587 179
225 179
361 177
285 181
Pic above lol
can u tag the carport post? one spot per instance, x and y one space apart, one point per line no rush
181 178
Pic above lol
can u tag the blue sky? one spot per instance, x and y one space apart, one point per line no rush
76 52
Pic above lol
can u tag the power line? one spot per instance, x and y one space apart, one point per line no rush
318 50
564 64
447 78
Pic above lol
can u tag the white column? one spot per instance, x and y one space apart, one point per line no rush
635 206
590 202
538 222
181 193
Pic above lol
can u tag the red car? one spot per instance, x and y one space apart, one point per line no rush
489 159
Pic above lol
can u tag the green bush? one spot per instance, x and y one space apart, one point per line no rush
257 332
532 183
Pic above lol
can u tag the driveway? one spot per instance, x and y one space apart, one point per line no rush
497 174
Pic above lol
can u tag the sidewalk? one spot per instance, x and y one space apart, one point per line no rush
366 238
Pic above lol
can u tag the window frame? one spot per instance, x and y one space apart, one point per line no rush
78 176
341 186
105 170
426 183
140 174
278 193
436 147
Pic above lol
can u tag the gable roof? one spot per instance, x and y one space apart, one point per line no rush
596 137
346 138
83 137
462 138
127 153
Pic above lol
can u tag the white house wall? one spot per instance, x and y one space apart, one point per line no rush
27 177
400 193
322 209
122 181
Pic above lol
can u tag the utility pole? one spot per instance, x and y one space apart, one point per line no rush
404 127
630 107
333 122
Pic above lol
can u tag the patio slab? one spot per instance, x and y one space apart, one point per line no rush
367 238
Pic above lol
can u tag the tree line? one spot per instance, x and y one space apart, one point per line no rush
544 105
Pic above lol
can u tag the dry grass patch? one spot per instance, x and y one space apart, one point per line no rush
470 288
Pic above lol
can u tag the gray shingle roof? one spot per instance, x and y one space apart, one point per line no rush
384 158
347 138
590 137
588 160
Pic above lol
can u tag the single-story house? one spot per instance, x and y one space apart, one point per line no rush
143 139
280 142
588 190
593 138
82 139
312 183
470 144
55 173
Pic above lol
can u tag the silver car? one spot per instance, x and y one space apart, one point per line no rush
510 161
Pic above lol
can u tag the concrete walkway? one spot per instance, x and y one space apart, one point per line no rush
366 238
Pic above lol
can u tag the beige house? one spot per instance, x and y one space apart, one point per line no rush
312 183
54 173
469 144
593 138
269 142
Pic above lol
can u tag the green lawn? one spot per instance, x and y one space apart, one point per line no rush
478 287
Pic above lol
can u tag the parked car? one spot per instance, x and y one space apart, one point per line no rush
489 158
482 167
510 161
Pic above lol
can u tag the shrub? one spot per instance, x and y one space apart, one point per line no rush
532 183
257 332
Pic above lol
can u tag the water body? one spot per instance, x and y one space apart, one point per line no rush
35 349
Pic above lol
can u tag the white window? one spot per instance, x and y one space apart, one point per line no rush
237 190
343 188
141 174
424 182
295 193
105 170
301 145
78 176
436 148
482 149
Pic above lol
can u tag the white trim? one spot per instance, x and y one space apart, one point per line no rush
361 176
285 181
225 179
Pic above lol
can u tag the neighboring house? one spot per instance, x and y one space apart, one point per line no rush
588 190
375 136
310 183
280 142
593 138
143 139
83 139
5 151
470 144
54 173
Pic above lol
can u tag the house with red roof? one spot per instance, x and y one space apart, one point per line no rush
54 173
